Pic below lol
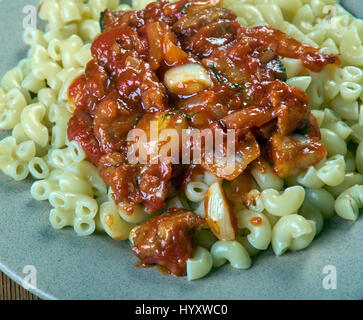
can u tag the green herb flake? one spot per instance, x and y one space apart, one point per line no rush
182 113
216 74
137 120
184 7
195 114
102 14
167 115
303 131
188 117
239 86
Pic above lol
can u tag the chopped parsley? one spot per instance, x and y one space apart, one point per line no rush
137 120
186 116
184 7
190 118
101 20
239 86
167 115
305 130
216 74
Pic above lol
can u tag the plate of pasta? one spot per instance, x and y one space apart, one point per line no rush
217 141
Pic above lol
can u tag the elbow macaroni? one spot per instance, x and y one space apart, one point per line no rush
347 205
265 177
258 225
200 264
283 204
292 232
112 223
231 251
311 213
196 191
31 121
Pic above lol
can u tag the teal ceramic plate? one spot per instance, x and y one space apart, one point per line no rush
70 267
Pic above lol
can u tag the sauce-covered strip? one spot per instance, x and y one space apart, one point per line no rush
167 239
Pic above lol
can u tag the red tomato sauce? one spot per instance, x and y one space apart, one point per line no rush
256 221
123 88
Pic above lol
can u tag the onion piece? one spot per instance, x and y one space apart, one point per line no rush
187 79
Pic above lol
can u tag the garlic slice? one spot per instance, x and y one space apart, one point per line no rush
219 216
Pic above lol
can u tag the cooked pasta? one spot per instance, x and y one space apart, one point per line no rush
112 223
231 251
200 264
258 226
292 232
283 204
348 203
41 190
232 220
